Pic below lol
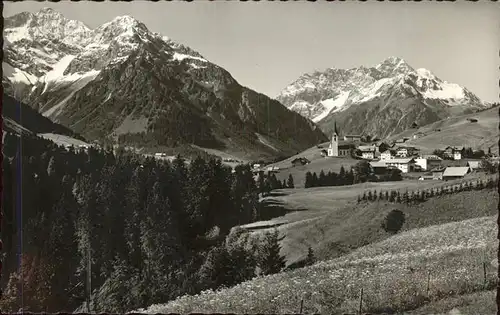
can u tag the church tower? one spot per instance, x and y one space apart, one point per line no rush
333 149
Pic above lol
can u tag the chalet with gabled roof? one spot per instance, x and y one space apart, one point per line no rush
453 152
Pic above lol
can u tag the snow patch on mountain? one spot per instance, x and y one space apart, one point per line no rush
372 91
265 142
16 34
332 105
443 90
447 91
74 83
181 57
59 68
195 66
18 76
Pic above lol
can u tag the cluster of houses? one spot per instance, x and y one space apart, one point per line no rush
406 158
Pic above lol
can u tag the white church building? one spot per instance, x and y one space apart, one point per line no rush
339 147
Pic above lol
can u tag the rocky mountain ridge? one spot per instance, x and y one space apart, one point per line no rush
124 83
381 100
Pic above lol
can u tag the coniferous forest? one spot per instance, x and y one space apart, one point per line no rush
147 230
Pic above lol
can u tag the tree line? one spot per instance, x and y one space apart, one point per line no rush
415 197
360 173
270 182
150 230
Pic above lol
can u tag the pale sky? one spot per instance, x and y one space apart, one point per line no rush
267 45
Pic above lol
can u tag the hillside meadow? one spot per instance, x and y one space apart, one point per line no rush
457 131
330 220
401 273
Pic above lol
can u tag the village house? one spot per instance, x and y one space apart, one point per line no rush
437 173
453 152
379 167
451 173
272 169
159 155
387 154
427 162
474 165
324 153
404 165
418 135
367 151
352 138
405 151
299 162
82 148
339 147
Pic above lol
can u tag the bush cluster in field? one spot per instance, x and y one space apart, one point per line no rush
393 273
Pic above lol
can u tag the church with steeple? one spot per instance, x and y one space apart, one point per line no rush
339 147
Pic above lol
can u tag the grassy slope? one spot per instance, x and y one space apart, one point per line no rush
393 274
458 131
330 221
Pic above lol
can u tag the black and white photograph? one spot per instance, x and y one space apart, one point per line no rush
250 157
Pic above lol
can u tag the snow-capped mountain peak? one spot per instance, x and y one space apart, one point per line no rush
123 23
46 24
47 47
321 95
120 81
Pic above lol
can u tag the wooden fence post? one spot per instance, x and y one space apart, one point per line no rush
484 274
301 305
361 301
428 283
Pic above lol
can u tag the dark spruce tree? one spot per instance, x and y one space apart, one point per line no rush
269 258
308 180
290 182
310 258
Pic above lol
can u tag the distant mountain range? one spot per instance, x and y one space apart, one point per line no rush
380 101
122 83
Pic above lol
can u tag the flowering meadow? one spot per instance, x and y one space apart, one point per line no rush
401 273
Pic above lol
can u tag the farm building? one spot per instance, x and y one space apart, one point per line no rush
451 173
368 151
472 120
352 138
404 165
453 152
387 154
300 162
418 135
437 173
256 166
427 162
324 153
379 167
474 165
405 151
